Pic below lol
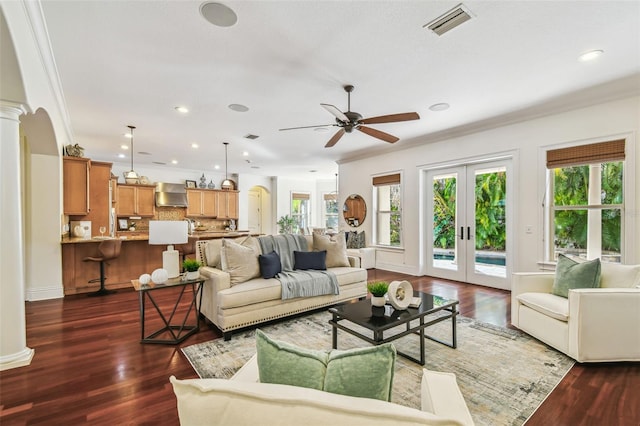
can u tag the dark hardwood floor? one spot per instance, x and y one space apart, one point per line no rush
89 366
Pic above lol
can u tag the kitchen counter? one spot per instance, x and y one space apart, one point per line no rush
142 236
137 257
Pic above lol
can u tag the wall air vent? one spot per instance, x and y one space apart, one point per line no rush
250 136
449 20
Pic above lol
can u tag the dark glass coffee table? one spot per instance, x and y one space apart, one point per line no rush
379 320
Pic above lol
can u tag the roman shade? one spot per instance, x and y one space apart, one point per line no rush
600 152
386 179
299 196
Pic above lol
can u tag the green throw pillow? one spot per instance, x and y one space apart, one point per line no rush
287 364
362 372
571 274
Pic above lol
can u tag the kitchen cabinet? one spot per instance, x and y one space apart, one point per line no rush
202 203
99 205
76 185
135 200
227 204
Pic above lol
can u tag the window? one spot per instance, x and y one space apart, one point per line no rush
300 211
388 201
587 201
330 211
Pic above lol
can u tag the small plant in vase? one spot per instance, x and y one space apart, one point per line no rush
191 266
378 289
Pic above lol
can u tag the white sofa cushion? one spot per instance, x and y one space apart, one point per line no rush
615 275
549 304
219 401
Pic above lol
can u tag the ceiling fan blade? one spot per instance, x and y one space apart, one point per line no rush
391 118
309 127
334 140
335 112
378 134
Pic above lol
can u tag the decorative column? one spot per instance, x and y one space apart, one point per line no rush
13 335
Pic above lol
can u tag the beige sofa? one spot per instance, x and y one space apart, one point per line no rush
592 324
242 400
232 307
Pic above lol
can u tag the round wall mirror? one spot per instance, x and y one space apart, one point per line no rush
354 210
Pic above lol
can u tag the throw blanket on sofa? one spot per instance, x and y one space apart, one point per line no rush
297 283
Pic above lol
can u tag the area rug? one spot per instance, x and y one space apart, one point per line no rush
504 374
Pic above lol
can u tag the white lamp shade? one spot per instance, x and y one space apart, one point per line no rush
168 232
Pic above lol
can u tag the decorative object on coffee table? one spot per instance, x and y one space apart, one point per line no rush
159 276
378 289
400 294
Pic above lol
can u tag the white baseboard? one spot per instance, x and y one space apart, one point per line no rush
403 269
44 293
20 359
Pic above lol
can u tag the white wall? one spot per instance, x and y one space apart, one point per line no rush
526 141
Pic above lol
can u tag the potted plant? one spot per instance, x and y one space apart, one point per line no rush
191 266
286 224
378 289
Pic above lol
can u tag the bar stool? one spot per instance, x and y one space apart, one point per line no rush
187 249
109 249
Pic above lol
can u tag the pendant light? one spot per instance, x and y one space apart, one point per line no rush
131 176
226 183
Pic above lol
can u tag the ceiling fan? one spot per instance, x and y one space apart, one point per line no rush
349 120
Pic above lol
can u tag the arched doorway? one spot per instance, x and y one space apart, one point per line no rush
258 210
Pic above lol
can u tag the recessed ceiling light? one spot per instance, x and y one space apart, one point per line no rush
217 167
174 161
121 156
124 146
127 135
182 109
195 146
218 14
321 129
439 107
591 55
245 153
238 108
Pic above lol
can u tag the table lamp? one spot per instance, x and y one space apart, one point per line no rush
169 232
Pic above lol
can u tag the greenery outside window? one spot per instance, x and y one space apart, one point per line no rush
388 205
330 210
587 201
300 211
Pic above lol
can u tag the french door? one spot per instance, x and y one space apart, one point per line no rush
468 223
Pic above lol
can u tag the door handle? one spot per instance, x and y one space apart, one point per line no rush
468 232
462 232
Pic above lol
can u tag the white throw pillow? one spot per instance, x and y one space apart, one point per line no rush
240 260
336 248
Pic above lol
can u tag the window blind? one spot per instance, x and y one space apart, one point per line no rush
386 179
600 152
329 197
299 196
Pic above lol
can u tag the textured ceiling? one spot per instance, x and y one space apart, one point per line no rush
132 62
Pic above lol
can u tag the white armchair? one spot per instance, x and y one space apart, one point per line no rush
592 324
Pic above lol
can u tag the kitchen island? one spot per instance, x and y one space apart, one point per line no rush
137 257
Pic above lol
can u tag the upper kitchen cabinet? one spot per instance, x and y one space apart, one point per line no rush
135 200
227 204
202 203
76 185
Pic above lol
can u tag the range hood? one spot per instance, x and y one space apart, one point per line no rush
171 195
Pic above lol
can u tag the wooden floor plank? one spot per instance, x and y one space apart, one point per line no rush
89 366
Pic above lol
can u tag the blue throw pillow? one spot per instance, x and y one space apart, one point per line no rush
310 260
269 265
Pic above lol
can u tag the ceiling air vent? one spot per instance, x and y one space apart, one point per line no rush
250 136
449 20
